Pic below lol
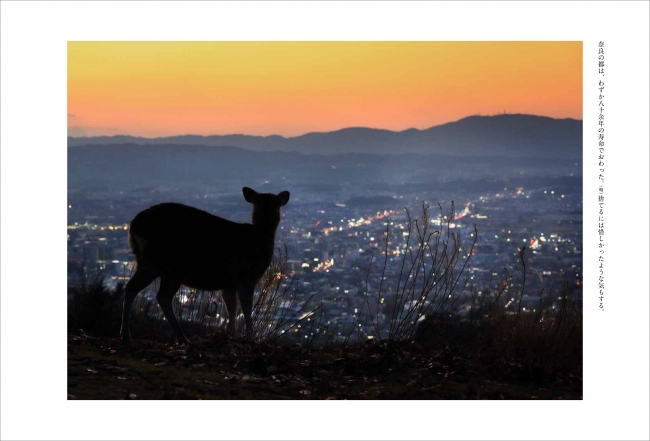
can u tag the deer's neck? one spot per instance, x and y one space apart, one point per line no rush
266 233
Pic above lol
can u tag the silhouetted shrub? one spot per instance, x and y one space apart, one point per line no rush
431 279
94 308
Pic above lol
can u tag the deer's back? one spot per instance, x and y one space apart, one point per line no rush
197 248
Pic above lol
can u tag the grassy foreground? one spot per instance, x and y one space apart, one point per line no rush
103 368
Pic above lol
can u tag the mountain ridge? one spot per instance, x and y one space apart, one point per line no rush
516 135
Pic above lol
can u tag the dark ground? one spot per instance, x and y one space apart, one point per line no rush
103 368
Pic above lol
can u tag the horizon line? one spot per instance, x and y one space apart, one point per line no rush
318 132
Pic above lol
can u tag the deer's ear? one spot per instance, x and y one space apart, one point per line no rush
284 198
249 195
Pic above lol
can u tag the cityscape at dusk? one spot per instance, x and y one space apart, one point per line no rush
331 236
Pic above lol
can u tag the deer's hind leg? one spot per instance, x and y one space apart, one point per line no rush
229 297
141 279
166 293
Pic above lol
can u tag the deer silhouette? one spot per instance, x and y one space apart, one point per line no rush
183 245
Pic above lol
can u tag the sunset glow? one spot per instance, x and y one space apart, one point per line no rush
289 88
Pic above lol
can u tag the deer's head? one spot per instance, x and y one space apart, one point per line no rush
266 206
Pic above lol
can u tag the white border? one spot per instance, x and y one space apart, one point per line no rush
33 92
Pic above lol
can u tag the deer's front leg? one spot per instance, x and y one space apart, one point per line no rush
246 292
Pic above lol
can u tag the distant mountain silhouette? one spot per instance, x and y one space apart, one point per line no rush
507 135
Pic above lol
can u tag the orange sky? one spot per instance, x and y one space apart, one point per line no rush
290 88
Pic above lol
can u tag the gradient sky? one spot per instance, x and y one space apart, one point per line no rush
290 88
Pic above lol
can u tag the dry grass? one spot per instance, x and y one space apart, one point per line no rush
96 310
